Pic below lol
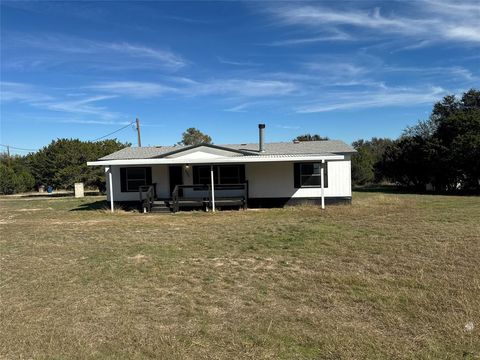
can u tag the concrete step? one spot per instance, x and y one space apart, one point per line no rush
160 209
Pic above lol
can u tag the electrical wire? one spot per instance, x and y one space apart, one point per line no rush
99 138
17 148
113 132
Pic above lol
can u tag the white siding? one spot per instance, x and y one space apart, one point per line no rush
276 180
266 180
159 177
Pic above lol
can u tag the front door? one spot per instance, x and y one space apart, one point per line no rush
176 177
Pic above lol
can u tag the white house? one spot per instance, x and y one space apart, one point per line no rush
211 176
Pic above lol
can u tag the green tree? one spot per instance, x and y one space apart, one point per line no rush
362 166
365 163
310 137
7 180
443 151
14 175
193 136
64 162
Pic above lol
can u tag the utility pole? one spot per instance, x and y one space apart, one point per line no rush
138 133
8 156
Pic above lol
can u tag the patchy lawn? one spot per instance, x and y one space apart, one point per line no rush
392 276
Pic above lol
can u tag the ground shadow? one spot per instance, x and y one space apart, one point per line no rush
96 205
59 194
393 189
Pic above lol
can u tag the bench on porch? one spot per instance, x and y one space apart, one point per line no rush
196 196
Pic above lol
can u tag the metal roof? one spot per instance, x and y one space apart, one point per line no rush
277 148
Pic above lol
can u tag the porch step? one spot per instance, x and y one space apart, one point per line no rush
161 206
160 209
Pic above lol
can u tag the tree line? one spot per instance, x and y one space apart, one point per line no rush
60 164
441 154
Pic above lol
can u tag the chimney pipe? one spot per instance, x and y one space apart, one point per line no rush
261 137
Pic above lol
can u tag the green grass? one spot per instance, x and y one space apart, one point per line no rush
391 276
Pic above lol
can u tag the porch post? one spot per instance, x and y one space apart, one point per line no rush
212 180
322 183
110 186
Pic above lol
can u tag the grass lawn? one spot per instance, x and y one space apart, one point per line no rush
391 276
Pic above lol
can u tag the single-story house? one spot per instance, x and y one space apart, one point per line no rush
211 176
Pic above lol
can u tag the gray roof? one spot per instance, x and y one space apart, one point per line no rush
278 148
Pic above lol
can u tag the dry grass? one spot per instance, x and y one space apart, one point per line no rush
392 276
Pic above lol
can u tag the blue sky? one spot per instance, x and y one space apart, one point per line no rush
346 70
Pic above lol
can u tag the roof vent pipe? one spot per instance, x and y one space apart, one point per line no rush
261 137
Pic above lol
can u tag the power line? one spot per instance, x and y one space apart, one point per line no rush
113 132
101 137
17 148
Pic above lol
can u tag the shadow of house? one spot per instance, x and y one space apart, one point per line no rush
96 205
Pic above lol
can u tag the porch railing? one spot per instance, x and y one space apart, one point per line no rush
147 197
181 197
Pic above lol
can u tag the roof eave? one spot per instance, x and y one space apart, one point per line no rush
219 160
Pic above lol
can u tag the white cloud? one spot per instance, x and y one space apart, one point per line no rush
28 94
374 99
313 39
189 87
247 88
13 91
109 55
239 108
135 89
167 58
287 127
222 60
424 20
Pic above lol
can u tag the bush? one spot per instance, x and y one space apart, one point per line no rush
12 182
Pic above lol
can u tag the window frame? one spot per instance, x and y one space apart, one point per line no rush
128 179
300 175
217 174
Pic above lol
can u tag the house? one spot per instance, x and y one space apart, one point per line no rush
212 176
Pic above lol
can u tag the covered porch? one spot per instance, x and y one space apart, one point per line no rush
175 187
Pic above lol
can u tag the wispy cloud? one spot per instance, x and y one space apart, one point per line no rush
109 55
239 108
287 127
374 99
426 20
166 57
336 35
246 88
189 87
32 96
222 60
14 91
135 89
92 122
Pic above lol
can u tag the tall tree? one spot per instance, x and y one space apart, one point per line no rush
193 136
64 162
443 151
310 137
365 162
15 176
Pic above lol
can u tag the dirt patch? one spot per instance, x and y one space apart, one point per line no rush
139 258
34 209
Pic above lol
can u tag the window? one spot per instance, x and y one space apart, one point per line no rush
203 175
134 177
230 174
222 174
309 174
